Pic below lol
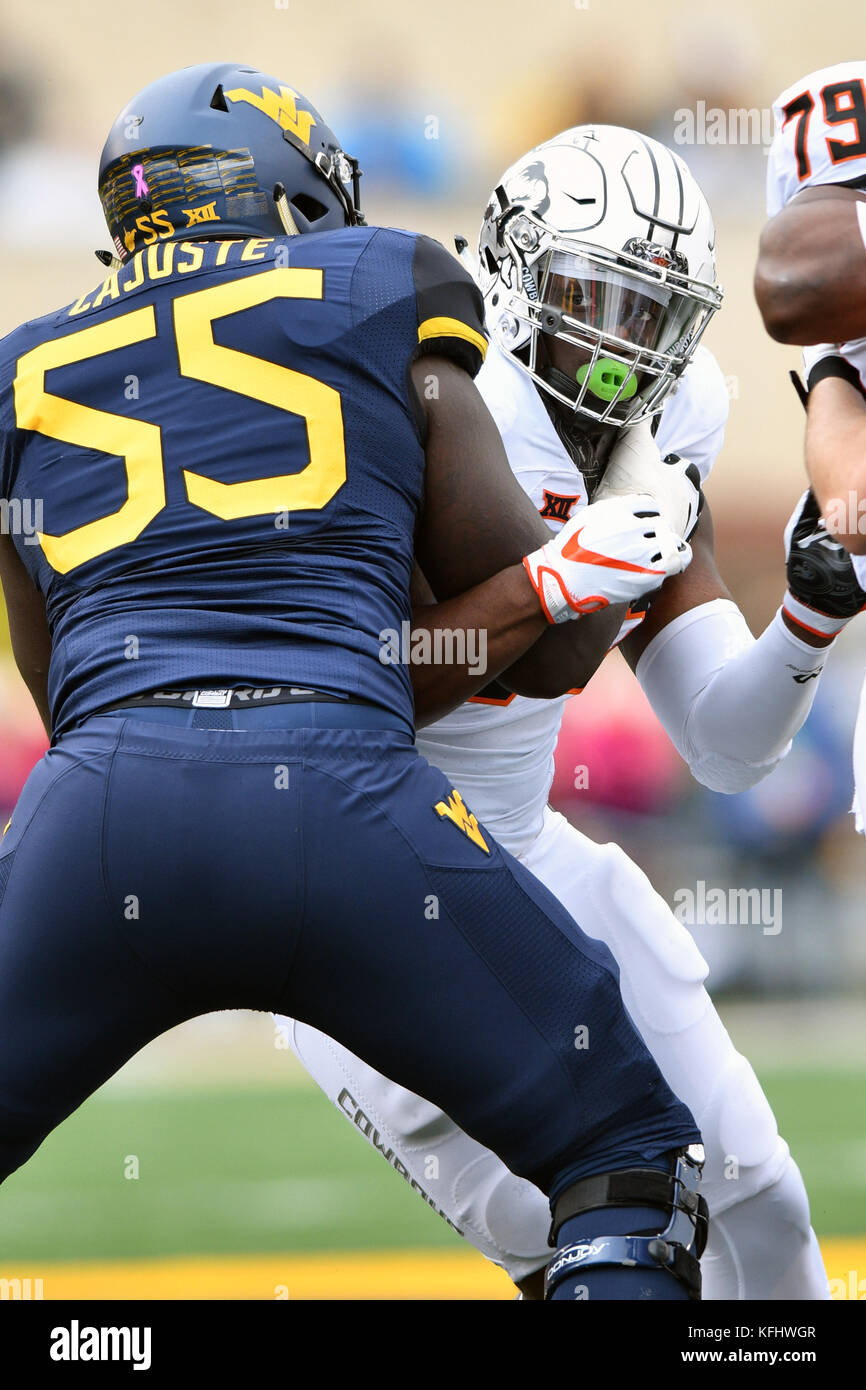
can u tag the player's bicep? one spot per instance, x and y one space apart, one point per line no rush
811 269
476 519
700 583
28 625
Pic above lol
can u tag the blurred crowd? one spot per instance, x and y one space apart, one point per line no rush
423 142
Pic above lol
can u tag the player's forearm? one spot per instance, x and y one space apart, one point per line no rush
613 553
731 704
836 458
565 658
28 627
32 666
516 645
465 642
810 280
38 687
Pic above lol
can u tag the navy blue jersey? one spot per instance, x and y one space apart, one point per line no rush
224 452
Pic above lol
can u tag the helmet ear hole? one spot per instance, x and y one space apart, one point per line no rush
309 207
218 100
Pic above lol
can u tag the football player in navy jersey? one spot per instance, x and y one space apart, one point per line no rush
223 547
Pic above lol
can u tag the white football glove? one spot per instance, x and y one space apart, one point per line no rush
613 551
636 466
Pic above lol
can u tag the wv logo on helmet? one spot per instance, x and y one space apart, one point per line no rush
281 108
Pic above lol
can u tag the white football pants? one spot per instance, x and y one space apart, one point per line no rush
761 1245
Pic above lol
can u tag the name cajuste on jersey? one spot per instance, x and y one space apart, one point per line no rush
167 258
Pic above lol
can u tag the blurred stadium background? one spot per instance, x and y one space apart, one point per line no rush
211 1167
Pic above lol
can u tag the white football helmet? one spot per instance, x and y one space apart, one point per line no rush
596 261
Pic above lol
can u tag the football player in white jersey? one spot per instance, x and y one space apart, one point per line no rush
810 284
597 266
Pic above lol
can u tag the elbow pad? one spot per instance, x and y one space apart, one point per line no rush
730 704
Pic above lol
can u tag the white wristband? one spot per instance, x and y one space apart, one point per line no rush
819 624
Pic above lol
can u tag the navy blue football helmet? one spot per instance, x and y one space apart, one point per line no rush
224 147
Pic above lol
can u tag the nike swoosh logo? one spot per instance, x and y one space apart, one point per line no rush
803 676
573 550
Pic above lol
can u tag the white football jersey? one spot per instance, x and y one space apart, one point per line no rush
820 133
498 747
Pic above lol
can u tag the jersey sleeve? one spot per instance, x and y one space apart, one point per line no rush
820 133
449 306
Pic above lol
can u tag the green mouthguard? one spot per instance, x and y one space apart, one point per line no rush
606 378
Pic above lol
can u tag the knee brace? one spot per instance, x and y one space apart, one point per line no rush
677 1248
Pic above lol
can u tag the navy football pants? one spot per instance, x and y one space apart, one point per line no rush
155 872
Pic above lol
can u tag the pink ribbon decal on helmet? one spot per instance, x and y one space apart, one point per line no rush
141 188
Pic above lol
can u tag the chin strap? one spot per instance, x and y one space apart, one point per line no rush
561 381
284 212
587 448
